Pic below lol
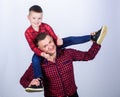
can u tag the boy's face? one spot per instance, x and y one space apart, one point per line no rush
35 18
47 45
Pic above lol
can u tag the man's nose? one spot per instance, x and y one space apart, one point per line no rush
50 46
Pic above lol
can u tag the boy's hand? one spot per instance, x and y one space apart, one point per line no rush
59 41
46 56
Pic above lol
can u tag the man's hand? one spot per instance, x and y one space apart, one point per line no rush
34 82
92 33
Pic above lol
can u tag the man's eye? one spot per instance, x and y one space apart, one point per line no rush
51 41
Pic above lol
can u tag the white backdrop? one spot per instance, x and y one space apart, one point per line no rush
97 78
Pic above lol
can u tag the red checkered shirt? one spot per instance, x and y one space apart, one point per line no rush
31 34
59 76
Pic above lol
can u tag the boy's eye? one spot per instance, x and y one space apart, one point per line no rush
45 46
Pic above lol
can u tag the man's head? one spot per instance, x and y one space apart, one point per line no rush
45 43
35 15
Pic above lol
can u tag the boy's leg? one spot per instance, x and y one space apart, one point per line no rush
100 34
98 38
36 63
72 40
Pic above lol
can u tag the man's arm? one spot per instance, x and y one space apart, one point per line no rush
27 77
77 55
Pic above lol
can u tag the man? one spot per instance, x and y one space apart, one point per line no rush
58 71
35 17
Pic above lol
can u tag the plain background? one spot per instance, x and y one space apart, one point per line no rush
97 78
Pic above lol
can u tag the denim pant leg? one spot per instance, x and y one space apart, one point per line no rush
36 62
72 40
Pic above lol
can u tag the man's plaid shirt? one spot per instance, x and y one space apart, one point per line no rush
59 76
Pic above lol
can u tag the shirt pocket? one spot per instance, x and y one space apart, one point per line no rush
66 62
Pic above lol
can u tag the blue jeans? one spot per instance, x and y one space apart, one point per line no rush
72 40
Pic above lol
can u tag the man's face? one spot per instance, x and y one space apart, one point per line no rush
47 45
35 18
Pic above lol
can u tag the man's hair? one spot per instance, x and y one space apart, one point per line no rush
40 36
36 8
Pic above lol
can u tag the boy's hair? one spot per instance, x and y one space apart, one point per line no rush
36 8
39 37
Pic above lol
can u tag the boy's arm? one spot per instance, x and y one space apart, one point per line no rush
50 31
57 39
77 55
32 44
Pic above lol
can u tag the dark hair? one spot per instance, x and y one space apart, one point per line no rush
39 37
36 8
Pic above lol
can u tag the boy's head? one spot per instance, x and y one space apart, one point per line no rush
35 16
36 8
45 43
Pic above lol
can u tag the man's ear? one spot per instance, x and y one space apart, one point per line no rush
38 47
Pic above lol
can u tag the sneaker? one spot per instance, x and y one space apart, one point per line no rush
34 88
100 34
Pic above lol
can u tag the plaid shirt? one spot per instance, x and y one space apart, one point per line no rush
31 34
59 76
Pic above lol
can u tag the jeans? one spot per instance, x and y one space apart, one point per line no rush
72 40
36 63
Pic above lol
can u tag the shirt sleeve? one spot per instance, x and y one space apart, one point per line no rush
77 55
32 44
27 77
51 31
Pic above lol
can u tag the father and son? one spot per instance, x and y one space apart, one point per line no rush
51 69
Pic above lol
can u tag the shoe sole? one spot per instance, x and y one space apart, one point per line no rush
102 34
33 90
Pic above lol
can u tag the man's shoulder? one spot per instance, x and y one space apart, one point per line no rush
69 49
66 50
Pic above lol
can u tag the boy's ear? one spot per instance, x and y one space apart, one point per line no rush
28 17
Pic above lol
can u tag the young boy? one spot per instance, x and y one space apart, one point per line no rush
37 26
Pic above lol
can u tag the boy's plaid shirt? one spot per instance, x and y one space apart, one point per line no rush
31 34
